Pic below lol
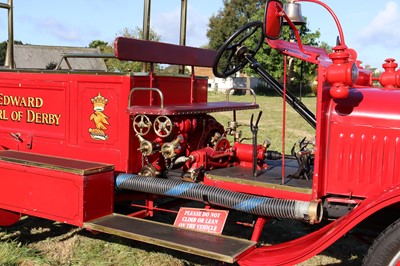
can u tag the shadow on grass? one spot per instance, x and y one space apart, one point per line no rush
33 229
30 230
348 250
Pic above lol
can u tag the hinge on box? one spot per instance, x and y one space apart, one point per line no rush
29 143
17 137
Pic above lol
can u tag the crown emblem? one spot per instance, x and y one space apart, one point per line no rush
99 118
99 102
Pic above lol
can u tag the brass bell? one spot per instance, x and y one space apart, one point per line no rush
293 11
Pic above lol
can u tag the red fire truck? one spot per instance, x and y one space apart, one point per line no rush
76 145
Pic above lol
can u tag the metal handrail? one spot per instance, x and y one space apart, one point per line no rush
146 89
80 55
6 6
228 92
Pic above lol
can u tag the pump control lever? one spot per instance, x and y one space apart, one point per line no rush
254 130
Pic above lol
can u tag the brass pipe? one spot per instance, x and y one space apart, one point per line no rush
10 45
146 26
182 39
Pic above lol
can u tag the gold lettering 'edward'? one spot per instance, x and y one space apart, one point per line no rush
20 101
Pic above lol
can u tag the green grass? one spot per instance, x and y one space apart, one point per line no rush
270 125
38 242
16 253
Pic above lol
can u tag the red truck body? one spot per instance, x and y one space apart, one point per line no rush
74 145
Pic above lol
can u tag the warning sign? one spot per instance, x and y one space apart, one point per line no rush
211 221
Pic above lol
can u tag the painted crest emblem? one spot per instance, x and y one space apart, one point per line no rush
99 118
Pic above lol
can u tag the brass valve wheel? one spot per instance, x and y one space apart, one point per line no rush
141 124
162 126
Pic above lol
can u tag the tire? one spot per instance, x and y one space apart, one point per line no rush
385 251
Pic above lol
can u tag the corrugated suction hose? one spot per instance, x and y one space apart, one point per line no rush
270 207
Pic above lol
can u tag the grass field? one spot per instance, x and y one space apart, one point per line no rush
270 125
34 241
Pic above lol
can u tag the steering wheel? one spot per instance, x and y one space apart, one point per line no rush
141 124
229 58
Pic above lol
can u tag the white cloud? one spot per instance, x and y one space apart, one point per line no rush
383 28
3 34
167 25
59 30
55 31
197 28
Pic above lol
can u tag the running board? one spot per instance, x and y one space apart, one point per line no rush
218 247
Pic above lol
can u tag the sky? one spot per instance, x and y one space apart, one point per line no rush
372 28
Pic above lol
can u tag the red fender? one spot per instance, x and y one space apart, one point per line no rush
298 250
8 218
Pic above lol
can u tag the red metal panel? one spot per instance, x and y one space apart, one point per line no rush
57 115
55 195
176 90
24 102
364 143
98 195
363 160
322 130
